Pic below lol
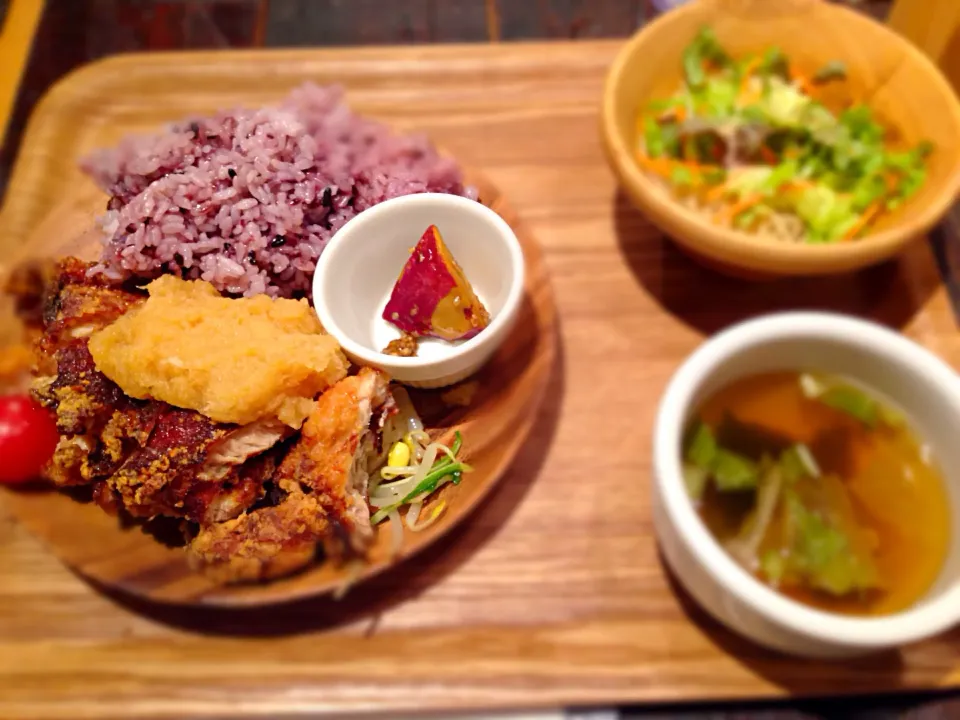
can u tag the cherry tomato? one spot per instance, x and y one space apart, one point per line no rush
28 437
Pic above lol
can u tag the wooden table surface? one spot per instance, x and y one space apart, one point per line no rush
65 616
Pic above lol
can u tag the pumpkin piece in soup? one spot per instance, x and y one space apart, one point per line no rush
432 297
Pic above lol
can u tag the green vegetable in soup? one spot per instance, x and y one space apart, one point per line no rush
702 449
822 554
732 472
695 480
848 399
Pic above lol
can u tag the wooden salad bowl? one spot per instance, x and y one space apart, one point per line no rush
145 559
906 91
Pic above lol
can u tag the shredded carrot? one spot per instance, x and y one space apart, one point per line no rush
663 166
716 193
768 155
658 166
680 113
728 214
800 80
803 83
866 217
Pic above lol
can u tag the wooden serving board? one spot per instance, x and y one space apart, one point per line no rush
149 560
553 592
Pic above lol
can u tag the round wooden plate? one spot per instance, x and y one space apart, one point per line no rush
136 560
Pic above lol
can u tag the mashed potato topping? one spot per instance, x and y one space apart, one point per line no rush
233 360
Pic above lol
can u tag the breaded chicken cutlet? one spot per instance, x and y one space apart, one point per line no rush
327 468
259 501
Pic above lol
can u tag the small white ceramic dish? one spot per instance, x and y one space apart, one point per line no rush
358 268
922 385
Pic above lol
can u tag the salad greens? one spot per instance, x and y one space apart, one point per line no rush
750 140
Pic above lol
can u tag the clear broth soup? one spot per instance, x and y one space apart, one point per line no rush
822 490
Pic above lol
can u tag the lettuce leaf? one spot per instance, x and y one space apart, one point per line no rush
827 214
703 49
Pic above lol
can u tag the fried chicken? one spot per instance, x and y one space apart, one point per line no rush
75 307
266 543
260 503
141 455
324 481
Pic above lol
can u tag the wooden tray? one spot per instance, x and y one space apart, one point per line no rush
553 593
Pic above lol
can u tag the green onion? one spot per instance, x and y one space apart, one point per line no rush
853 402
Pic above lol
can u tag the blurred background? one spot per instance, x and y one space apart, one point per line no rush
44 40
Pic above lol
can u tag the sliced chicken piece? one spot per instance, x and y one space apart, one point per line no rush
323 480
152 480
228 497
164 476
331 458
267 543
128 429
29 285
241 444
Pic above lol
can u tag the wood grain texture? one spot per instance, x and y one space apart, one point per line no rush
903 88
934 27
131 557
553 593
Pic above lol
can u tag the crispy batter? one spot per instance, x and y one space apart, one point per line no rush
76 307
157 478
323 476
149 454
106 498
331 457
266 543
70 464
83 399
